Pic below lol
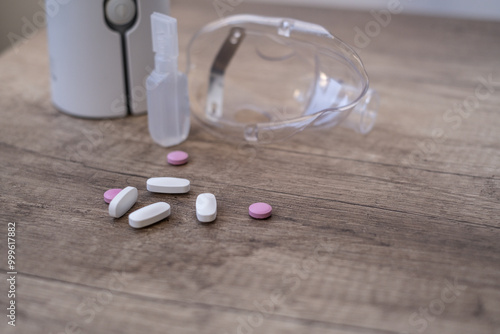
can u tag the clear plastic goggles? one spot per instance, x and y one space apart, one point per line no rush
263 79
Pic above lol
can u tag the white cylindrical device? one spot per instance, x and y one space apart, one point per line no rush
101 55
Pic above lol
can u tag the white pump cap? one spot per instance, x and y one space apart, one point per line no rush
165 35
165 42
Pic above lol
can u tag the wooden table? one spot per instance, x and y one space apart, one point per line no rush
394 232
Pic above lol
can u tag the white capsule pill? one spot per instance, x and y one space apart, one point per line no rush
206 208
168 185
149 215
123 202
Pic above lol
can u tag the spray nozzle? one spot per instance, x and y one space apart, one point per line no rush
164 29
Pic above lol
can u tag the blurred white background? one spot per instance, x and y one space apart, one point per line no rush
475 9
13 12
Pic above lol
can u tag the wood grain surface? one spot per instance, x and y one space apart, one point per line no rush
394 232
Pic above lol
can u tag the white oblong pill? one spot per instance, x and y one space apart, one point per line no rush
149 215
123 202
168 185
206 208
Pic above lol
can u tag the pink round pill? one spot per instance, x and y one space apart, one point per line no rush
260 210
110 194
177 158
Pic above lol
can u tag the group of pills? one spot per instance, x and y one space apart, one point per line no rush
122 200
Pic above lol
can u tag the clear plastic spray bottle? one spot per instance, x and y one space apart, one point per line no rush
168 101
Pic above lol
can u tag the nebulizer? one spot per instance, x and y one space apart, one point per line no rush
259 79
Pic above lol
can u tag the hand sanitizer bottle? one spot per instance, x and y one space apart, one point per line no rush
168 102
